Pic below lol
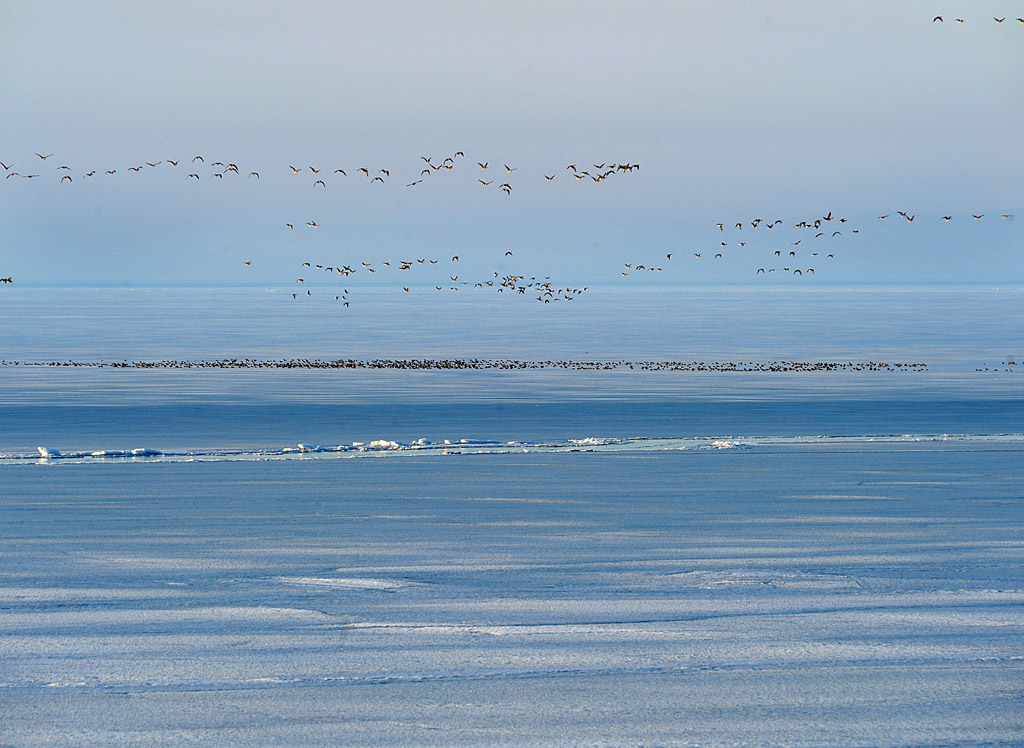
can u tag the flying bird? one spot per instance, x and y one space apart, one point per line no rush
44 157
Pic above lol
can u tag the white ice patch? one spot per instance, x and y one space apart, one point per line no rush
593 441
391 448
351 583
726 444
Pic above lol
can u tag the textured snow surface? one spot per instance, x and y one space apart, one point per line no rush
799 594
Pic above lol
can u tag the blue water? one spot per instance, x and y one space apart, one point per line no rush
954 331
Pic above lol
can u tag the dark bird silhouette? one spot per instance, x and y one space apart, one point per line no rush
44 157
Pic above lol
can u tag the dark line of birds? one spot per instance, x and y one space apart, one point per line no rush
482 363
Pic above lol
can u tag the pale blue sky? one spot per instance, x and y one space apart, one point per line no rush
735 110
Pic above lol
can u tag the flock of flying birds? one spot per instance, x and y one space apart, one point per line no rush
817 240
940 19
197 168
